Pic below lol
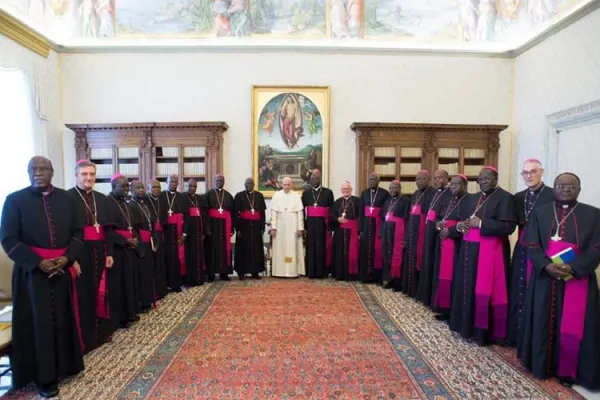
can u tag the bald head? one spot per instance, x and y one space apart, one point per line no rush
154 187
532 173
191 186
373 180
440 179
249 184
172 183
315 178
346 189
423 179
40 172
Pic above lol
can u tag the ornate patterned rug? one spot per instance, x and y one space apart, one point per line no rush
298 338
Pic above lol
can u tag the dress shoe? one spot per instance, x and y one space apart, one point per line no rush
224 277
242 277
442 317
48 391
256 276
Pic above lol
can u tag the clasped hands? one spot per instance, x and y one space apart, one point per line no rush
464 226
559 271
55 266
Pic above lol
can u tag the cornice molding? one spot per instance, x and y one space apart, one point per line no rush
24 35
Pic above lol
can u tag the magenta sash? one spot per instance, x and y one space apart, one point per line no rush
56 253
194 212
416 210
248 215
90 234
490 283
396 264
323 212
158 227
443 293
431 216
226 215
378 257
572 321
352 225
177 220
527 260
125 233
145 235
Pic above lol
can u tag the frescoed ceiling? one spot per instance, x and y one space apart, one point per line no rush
469 24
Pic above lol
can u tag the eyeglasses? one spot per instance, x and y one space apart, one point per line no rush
566 186
530 173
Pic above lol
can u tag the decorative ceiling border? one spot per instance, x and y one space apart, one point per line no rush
20 32
24 35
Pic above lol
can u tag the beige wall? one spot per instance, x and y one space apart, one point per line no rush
102 88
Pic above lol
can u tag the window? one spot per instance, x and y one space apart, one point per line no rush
16 131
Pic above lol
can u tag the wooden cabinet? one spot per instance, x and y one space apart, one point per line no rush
399 151
153 150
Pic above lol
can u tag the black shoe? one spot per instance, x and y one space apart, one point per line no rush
242 277
442 317
48 391
224 277
566 382
176 289
256 276
210 279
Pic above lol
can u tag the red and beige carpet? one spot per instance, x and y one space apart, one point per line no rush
284 339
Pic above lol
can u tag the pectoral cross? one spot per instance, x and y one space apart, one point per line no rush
371 209
314 205
170 213
344 214
252 211
387 216
414 208
220 210
556 238
97 226
130 229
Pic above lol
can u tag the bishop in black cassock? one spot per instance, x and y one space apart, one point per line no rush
95 260
344 221
536 195
159 254
143 222
41 234
250 211
124 279
442 193
447 246
394 215
479 287
319 245
173 209
371 255
562 307
415 233
197 219
222 221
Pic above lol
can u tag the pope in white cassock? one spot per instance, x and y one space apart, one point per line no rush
287 229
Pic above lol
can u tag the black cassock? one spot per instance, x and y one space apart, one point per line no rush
143 224
249 253
172 212
498 216
525 203
553 305
369 213
447 209
194 243
429 243
218 244
319 244
159 259
394 215
415 239
124 278
46 343
345 238
92 293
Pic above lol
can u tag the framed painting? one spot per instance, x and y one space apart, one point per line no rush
290 135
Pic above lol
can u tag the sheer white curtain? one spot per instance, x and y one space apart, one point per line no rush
16 131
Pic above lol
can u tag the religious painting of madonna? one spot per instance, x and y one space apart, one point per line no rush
290 135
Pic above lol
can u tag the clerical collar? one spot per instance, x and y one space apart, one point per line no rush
116 196
566 204
83 190
317 188
534 190
168 191
346 197
218 190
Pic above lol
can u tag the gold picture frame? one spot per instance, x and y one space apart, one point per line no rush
290 135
